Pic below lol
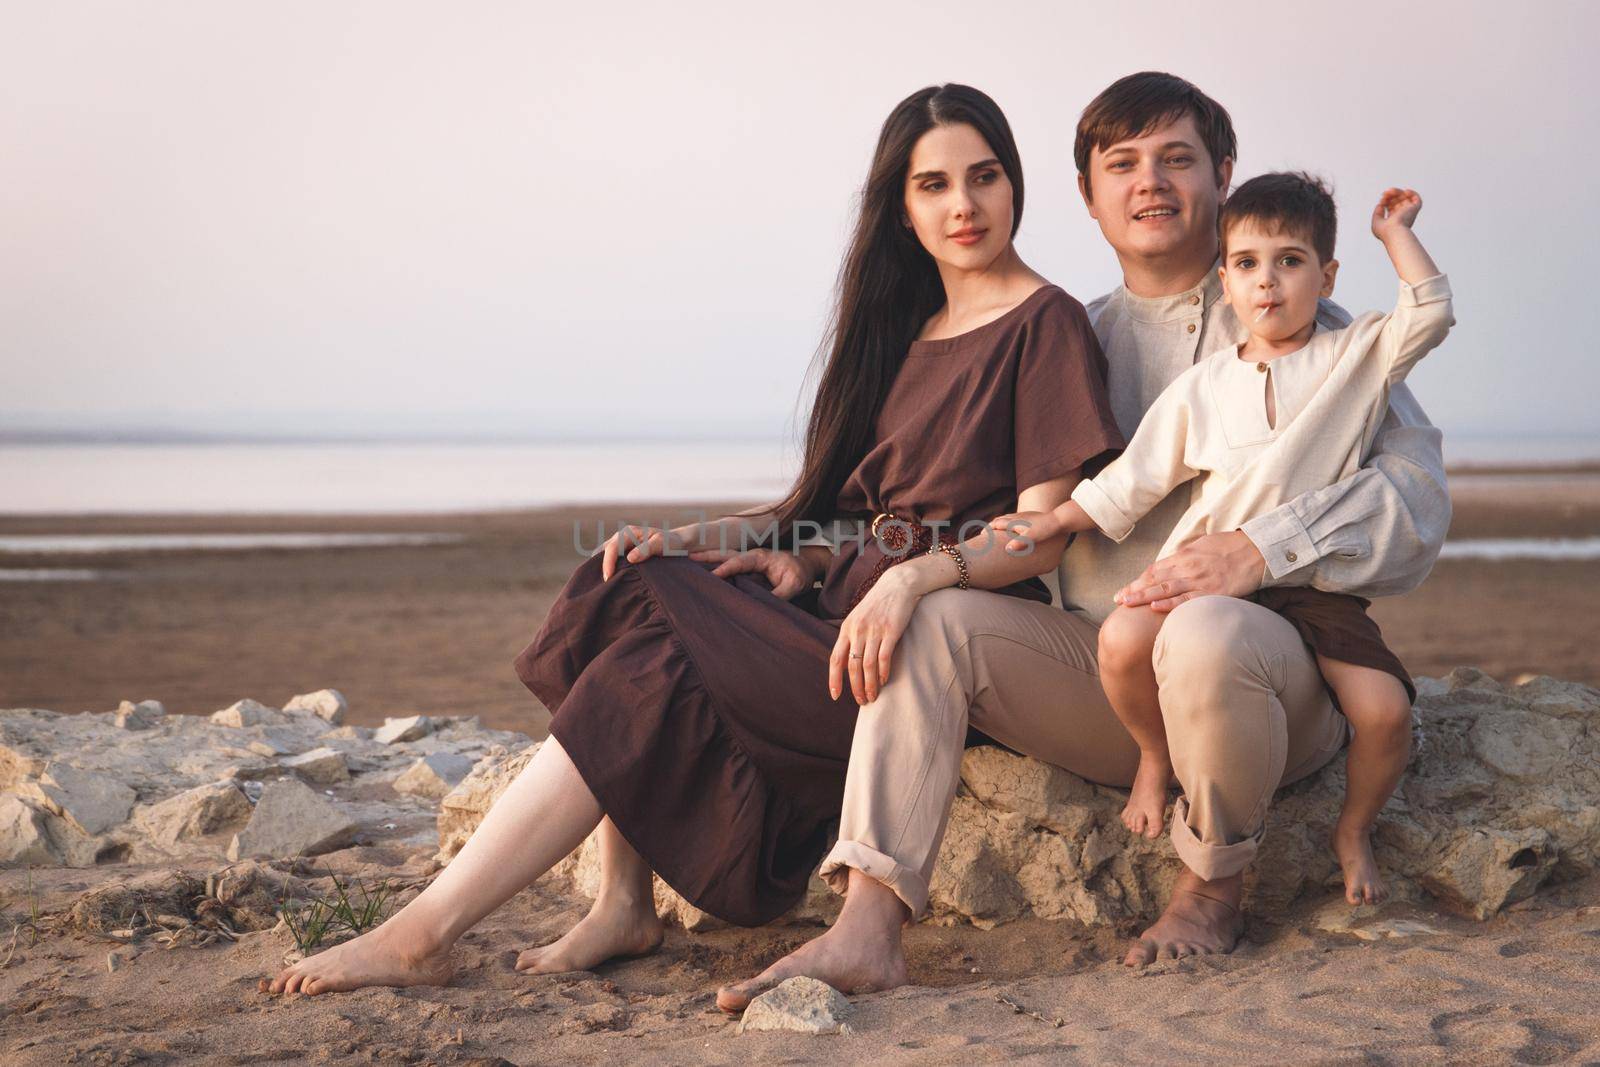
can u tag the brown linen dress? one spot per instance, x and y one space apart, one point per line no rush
697 708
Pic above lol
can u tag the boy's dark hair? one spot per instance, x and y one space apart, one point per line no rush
1292 202
1133 106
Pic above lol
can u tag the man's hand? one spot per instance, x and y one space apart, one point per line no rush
1224 564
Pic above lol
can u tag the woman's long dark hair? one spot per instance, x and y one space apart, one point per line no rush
888 287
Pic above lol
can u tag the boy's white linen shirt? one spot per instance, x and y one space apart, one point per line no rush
1375 533
1211 425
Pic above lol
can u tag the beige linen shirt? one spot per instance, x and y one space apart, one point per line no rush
1376 532
1210 427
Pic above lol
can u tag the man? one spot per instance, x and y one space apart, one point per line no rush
1244 706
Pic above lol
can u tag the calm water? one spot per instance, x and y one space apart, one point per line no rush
378 478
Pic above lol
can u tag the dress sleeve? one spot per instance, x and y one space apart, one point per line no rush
1063 413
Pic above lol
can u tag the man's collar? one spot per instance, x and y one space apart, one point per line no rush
1174 307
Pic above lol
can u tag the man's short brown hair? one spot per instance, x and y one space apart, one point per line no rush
1290 202
1133 106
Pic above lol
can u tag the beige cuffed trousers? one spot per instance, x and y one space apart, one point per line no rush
1245 709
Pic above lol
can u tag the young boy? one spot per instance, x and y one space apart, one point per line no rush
1290 410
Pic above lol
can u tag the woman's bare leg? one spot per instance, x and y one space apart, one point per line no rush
860 953
542 816
622 922
1127 648
1380 747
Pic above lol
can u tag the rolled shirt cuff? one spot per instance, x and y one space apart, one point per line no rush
1112 520
1427 291
904 882
1283 541
1210 861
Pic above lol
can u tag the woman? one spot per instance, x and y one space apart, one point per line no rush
701 722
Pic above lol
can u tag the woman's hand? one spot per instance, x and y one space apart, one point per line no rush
789 572
866 640
640 543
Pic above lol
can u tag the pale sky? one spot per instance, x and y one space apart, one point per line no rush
628 219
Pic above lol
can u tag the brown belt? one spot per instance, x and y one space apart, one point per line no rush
905 538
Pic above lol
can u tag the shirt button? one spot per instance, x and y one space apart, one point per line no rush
1194 300
1291 557
1191 327
1262 367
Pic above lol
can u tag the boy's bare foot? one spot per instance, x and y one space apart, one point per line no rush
1362 882
613 929
1146 811
384 957
1201 919
841 957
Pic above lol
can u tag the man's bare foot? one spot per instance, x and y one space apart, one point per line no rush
1146 812
383 957
1201 919
843 960
614 928
1362 882
860 953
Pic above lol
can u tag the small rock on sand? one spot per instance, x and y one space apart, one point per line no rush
140 716
323 766
328 704
23 840
801 1004
291 819
433 776
193 813
244 713
94 803
409 728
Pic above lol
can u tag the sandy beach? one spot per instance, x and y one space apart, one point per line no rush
433 628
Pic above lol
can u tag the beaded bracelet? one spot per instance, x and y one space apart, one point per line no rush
963 575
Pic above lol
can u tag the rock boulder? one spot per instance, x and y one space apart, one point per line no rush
291 819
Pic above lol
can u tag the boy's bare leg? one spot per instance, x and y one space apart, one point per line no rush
544 814
622 922
1380 720
1127 643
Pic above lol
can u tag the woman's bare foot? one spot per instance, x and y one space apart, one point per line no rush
615 928
1146 812
384 957
1202 919
860 953
1362 882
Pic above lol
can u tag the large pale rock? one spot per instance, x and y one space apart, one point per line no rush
245 713
23 838
328 704
291 819
196 812
1498 798
801 1004
92 803
410 728
324 766
433 776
